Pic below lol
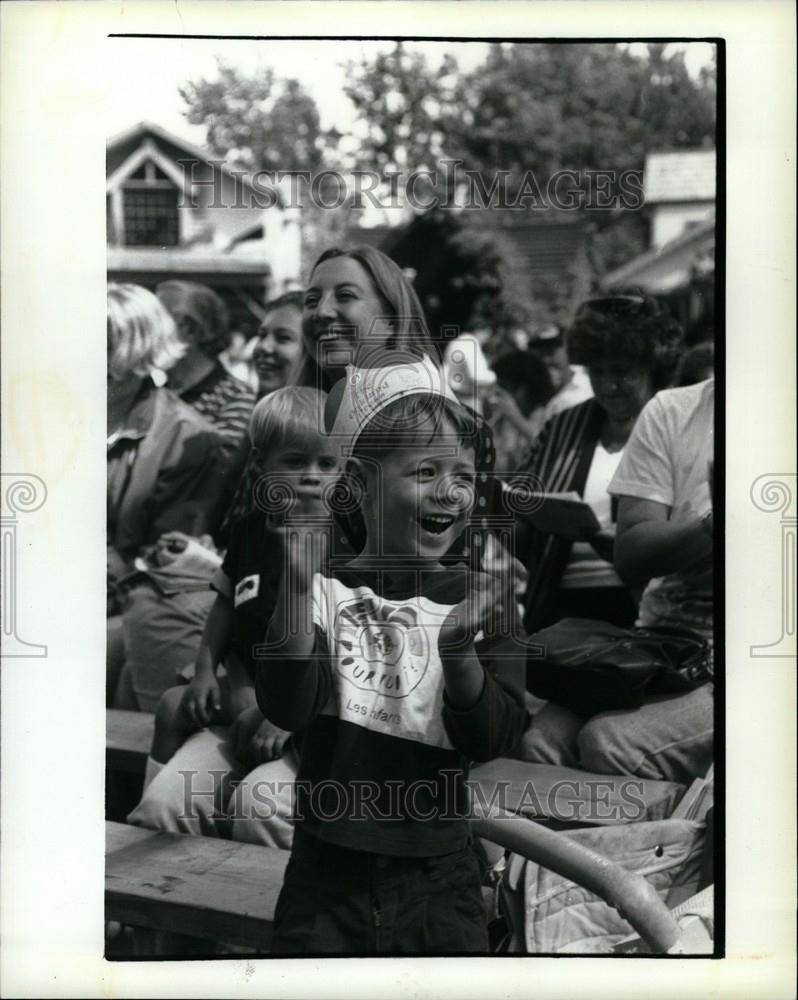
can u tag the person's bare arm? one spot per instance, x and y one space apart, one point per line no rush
648 544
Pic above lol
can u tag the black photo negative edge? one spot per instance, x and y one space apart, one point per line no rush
718 826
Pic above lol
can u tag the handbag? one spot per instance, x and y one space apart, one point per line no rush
591 666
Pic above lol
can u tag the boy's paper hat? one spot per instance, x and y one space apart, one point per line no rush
356 399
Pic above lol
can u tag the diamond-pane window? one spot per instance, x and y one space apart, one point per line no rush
150 216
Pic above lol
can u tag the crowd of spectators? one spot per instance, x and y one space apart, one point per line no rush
613 411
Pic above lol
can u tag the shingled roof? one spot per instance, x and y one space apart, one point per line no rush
661 269
545 247
684 175
120 146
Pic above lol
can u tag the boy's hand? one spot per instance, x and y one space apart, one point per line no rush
255 740
201 699
488 598
267 743
169 546
497 561
174 548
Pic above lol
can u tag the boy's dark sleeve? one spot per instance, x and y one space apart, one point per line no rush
292 692
491 728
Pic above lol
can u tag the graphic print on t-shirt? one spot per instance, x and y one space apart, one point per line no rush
381 646
386 665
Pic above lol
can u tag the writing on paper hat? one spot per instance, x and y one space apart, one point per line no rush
358 398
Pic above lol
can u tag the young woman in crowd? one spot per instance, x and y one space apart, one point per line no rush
275 356
358 302
279 344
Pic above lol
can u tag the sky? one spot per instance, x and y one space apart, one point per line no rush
144 74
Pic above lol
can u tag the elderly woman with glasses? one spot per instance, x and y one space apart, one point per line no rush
629 345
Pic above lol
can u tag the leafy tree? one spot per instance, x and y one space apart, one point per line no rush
403 105
541 108
579 106
538 106
256 121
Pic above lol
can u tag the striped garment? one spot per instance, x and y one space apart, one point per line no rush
560 461
224 401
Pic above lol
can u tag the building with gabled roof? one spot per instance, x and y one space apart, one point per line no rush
679 190
679 266
174 211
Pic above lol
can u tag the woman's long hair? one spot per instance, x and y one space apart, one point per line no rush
402 307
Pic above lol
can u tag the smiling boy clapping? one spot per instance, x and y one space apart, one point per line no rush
377 662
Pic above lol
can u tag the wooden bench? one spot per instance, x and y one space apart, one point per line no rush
198 886
128 737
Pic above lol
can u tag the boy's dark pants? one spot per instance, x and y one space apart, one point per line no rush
339 901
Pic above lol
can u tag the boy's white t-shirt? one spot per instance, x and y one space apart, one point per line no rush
667 460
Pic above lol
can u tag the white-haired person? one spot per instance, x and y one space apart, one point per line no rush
211 727
165 464
163 457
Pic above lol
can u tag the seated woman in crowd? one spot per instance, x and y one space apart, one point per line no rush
279 343
199 377
629 345
212 727
665 541
166 464
276 354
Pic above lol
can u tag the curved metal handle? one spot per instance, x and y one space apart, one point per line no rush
626 891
